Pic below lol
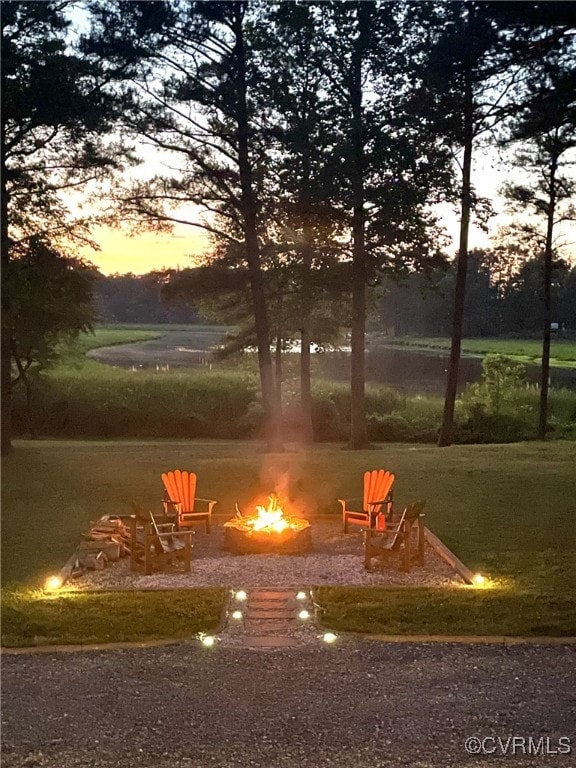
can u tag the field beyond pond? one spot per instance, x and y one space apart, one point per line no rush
563 351
506 510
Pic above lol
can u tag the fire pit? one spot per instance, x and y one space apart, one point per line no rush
268 530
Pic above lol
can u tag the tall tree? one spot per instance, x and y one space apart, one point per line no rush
390 164
50 302
546 131
478 53
56 107
302 187
193 102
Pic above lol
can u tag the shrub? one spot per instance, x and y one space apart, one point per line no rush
396 429
482 427
379 399
388 429
421 412
496 392
326 421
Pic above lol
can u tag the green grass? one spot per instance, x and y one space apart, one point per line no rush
109 336
506 510
456 611
31 617
563 351
161 328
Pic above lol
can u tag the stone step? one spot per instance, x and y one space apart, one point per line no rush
264 626
271 614
268 605
269 641
258 594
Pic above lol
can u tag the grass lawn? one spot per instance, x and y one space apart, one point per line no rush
506 510
563 351
30 617
108 336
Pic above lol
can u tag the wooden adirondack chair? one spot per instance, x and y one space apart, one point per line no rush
376 502
407 536
180 499
155 544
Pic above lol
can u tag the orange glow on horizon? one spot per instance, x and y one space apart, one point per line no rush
121 253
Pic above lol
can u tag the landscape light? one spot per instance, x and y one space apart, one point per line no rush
304 615
241 595
301 596
329 637
208 640
52 583
237 615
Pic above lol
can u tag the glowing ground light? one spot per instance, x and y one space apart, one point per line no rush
241 595
304 615
301 596
329 637
208 640
237 615
53 583
479 581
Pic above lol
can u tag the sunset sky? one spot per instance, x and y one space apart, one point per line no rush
122 252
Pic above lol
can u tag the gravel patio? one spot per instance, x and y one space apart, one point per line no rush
336 559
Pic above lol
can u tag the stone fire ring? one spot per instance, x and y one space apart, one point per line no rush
288 542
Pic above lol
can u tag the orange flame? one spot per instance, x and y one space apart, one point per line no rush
270 519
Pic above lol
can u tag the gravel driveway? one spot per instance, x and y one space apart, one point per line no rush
361 704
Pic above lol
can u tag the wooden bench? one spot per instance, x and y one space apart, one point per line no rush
155 544
405 538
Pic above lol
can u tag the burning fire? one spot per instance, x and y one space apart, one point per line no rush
270 519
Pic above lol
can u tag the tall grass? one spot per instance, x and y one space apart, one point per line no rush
98 401
94 400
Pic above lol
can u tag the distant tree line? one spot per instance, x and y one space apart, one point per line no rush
132 298
416 305
496 305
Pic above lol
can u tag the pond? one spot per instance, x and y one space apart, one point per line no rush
420 372
409 370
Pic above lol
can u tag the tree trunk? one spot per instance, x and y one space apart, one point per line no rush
306 388
23 377
446 435
278 370
5 354
547 319
249 216
358 432
305 358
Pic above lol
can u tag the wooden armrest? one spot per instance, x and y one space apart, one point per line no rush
208 501
175 535
346 502
387 500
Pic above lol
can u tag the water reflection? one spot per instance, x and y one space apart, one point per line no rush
408 370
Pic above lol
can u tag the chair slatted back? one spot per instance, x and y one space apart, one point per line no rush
377 486
410 514
181 487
